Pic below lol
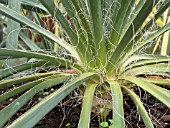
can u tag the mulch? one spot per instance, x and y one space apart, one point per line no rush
66 114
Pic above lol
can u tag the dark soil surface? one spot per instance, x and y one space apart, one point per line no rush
66 114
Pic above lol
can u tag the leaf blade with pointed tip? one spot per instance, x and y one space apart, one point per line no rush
117 101
151 88
140 108
31 117
18 18
84 121
19 102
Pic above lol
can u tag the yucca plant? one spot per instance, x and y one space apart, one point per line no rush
104 40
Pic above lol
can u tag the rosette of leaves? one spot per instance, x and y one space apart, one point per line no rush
104 40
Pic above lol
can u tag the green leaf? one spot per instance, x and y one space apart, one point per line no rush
154 90
116 5
163 7
166 36
24 87
81 17
8 111
13 29
18 18
72 12
31 117
120 50
117 101
84 55
115 35
49 58
132 17
83 26
151 36
104 124
13 70
107 14
31 5
155 60
20 89
11 82
153 68
97 22
54 11
150 61
32 46
85 115
140 108
38 21
157 81
137 57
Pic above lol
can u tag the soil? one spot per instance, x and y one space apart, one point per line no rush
66 114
